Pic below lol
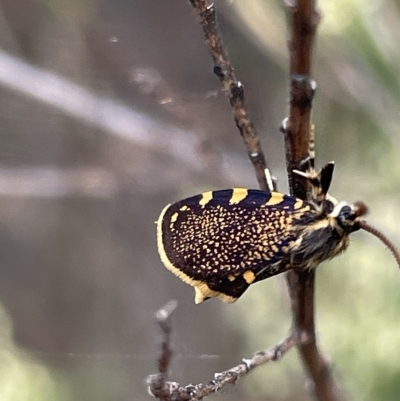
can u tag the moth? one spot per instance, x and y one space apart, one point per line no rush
221 242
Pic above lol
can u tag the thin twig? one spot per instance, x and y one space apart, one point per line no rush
304 18
157 384
162 389
225 72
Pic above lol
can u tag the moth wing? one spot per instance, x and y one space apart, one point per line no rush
220 242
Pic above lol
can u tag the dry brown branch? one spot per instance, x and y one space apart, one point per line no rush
165 390
304 18
157 384
224 71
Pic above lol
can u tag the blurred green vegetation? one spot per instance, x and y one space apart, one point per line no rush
23 377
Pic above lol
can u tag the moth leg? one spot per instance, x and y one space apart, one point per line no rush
309 162
320 181
271 180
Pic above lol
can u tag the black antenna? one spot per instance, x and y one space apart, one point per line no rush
365 226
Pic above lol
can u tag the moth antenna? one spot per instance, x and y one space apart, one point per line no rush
365 226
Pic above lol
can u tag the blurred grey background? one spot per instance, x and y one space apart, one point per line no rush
108 111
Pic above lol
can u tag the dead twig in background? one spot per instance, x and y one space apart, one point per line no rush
162 389
158 386
224 71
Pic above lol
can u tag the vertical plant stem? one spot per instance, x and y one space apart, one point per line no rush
304 19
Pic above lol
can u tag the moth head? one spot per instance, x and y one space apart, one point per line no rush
348 217
344 217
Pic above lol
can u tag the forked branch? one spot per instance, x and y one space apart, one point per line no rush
165 390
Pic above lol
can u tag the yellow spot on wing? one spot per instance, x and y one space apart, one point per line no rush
249 276
231 277
206 197
184 207
238 195
174 217
275 199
